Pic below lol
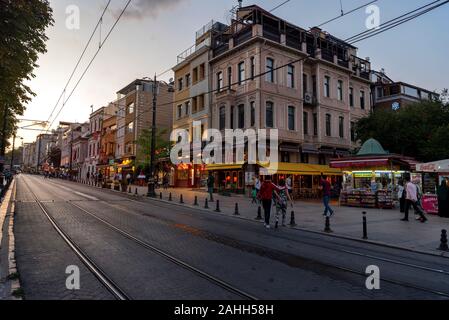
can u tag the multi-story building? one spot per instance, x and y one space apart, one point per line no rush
67 132
79 146
134 115
192 98
269 74
44 143
28 157
108 144
391 95
95 136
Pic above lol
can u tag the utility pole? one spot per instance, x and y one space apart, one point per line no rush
39 153
151 182
12 152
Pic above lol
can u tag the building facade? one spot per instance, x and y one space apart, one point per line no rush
266 73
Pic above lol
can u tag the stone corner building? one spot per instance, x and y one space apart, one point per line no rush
267 73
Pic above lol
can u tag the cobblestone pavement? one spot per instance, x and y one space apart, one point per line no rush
283 264
384 226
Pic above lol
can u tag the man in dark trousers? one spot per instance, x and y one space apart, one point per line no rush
325 187
266 195
411 200
210 186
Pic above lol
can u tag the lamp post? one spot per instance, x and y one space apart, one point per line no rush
151 182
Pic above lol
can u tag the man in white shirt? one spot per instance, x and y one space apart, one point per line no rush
411 199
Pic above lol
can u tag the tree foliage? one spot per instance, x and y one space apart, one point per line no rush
144 146
22 39
420 130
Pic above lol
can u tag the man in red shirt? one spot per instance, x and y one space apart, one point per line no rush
266 195
325 186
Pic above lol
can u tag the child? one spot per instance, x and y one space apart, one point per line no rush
254 195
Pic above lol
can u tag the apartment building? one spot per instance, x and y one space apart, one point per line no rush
192 98
95 136
313 89
28 157
44 143
108 144
134 114
391 95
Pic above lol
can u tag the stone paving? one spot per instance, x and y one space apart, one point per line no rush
384 226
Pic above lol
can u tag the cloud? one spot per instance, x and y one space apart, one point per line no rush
142 9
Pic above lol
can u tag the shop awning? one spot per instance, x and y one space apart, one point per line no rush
438 166
306 169
359 163
218 167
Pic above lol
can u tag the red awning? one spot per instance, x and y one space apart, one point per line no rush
353 163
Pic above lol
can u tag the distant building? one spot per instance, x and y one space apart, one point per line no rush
391 95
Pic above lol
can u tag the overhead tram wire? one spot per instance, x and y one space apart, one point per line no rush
398 23
91 61
347 13
79 59
267 72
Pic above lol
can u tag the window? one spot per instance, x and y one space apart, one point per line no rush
230 78
130 127
362 99
241 116
222 118
219 81
187 108
253 67
315 124
195 75
253 114
270 70
180 84
341 127
340 90
188 80
328 125
130 110
201 104
269 121
291 76
305 119
327 83
351 97
291 118
194 104
241 72
314 86
179 111
202 72
304 84
232 117
352 131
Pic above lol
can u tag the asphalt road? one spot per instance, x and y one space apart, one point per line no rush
155 250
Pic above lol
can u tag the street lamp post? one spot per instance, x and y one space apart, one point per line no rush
151 181
12 152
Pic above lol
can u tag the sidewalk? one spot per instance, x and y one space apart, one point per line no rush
384 226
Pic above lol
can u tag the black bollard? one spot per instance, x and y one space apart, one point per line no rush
443 241
196 201
206 204
218 206
129 190
160 196
136 193
170 197
365 227
259 213
181 200
292 219
236 211
327 227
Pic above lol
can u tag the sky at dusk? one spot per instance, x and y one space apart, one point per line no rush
149 38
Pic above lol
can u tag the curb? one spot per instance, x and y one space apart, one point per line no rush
15 283
333 235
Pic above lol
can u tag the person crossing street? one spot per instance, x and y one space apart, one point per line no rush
266 196
411 200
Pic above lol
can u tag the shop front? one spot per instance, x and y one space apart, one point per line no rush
370 178
431 175
228 178
190 176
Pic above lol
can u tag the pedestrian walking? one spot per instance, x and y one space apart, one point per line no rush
411 200
257 185
282 197
128 179
401 196
210 186
325 188
254 196
288 183
266 195
443 200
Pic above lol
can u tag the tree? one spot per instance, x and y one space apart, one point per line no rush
162 149
22 39
418 130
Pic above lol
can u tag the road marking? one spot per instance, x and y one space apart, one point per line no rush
79 193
